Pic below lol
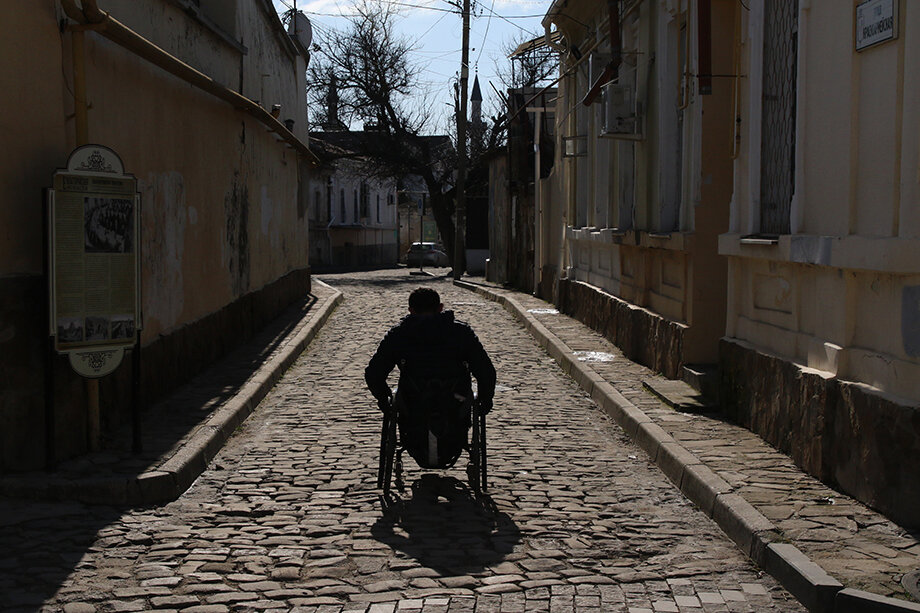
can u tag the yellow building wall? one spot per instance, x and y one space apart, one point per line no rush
836 295
219 193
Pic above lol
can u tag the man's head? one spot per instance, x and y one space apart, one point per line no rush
425 301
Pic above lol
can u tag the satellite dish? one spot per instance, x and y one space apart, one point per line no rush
300 28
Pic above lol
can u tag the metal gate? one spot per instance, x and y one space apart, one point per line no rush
777 149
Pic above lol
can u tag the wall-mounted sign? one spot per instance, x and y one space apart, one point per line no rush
94 212
876 22
429 231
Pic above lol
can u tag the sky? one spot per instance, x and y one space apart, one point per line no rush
434 29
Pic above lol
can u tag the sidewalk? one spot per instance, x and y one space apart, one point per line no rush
185 430
813 539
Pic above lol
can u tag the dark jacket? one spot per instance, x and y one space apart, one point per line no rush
431 345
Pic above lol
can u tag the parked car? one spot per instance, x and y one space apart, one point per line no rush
426 254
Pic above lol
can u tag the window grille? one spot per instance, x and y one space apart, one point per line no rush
777 149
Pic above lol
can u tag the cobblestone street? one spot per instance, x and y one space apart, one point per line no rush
287 516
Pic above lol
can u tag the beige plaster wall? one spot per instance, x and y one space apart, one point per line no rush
219 194
837 294
199 162
677 274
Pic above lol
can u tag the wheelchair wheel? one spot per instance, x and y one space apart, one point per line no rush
387 453
476 470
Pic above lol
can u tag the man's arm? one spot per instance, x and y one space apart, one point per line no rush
482 368
379 368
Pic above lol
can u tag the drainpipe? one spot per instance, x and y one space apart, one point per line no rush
560 263
79 74
90 15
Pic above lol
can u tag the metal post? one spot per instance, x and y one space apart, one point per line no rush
50 458
421 234
460 229
136 443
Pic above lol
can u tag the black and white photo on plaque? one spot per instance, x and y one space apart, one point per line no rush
70 329
108 225
122 326
97 328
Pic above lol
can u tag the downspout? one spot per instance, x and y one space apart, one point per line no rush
101 21
81 119
561 268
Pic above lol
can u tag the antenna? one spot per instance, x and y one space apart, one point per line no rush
300 28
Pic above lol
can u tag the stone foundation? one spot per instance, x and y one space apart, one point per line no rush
167 362
642 335
846 434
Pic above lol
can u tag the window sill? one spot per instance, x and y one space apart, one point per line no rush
881 254
674 241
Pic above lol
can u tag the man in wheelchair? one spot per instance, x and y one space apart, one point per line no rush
434 400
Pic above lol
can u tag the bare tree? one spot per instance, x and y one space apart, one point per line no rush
366 71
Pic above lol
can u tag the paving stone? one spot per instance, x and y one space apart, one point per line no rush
287 515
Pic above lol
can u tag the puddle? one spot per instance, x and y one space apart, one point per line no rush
543 311
593 356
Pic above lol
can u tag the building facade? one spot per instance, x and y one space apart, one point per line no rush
821 354
643 176
204 102
737 184
353 212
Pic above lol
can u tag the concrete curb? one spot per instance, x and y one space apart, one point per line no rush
756 535
176 474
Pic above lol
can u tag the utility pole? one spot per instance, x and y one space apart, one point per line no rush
460 208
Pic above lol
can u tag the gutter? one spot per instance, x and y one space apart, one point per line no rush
90 17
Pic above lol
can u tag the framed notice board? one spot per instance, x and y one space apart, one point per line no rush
94 255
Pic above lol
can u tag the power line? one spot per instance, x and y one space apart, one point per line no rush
484 36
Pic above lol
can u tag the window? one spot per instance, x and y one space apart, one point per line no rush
365 200
355 205
342 205
378 208
329 199
315 208
777 144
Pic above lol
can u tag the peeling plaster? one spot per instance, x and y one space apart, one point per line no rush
235 246
164 244
269 229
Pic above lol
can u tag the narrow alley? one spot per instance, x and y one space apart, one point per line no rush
287 516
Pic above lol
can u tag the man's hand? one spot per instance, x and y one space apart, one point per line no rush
485 406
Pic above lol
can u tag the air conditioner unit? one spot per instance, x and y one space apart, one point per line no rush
597 63
574 146
622 118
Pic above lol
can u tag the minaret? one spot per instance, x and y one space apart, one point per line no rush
477 127
332 106
476 103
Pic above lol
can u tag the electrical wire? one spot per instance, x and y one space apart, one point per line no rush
484 36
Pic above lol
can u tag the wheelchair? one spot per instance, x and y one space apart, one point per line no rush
435 420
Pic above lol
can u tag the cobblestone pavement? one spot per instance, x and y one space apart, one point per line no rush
287 517
855 544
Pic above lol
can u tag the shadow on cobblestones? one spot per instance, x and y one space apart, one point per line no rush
446 527
42 543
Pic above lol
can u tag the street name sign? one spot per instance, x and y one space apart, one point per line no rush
876 22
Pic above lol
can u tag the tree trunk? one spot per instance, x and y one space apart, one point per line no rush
442 207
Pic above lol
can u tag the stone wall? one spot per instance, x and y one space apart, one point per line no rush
642 335
846 434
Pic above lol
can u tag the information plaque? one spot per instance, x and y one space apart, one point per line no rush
94 220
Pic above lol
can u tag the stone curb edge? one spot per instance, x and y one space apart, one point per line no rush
170 479
754 534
